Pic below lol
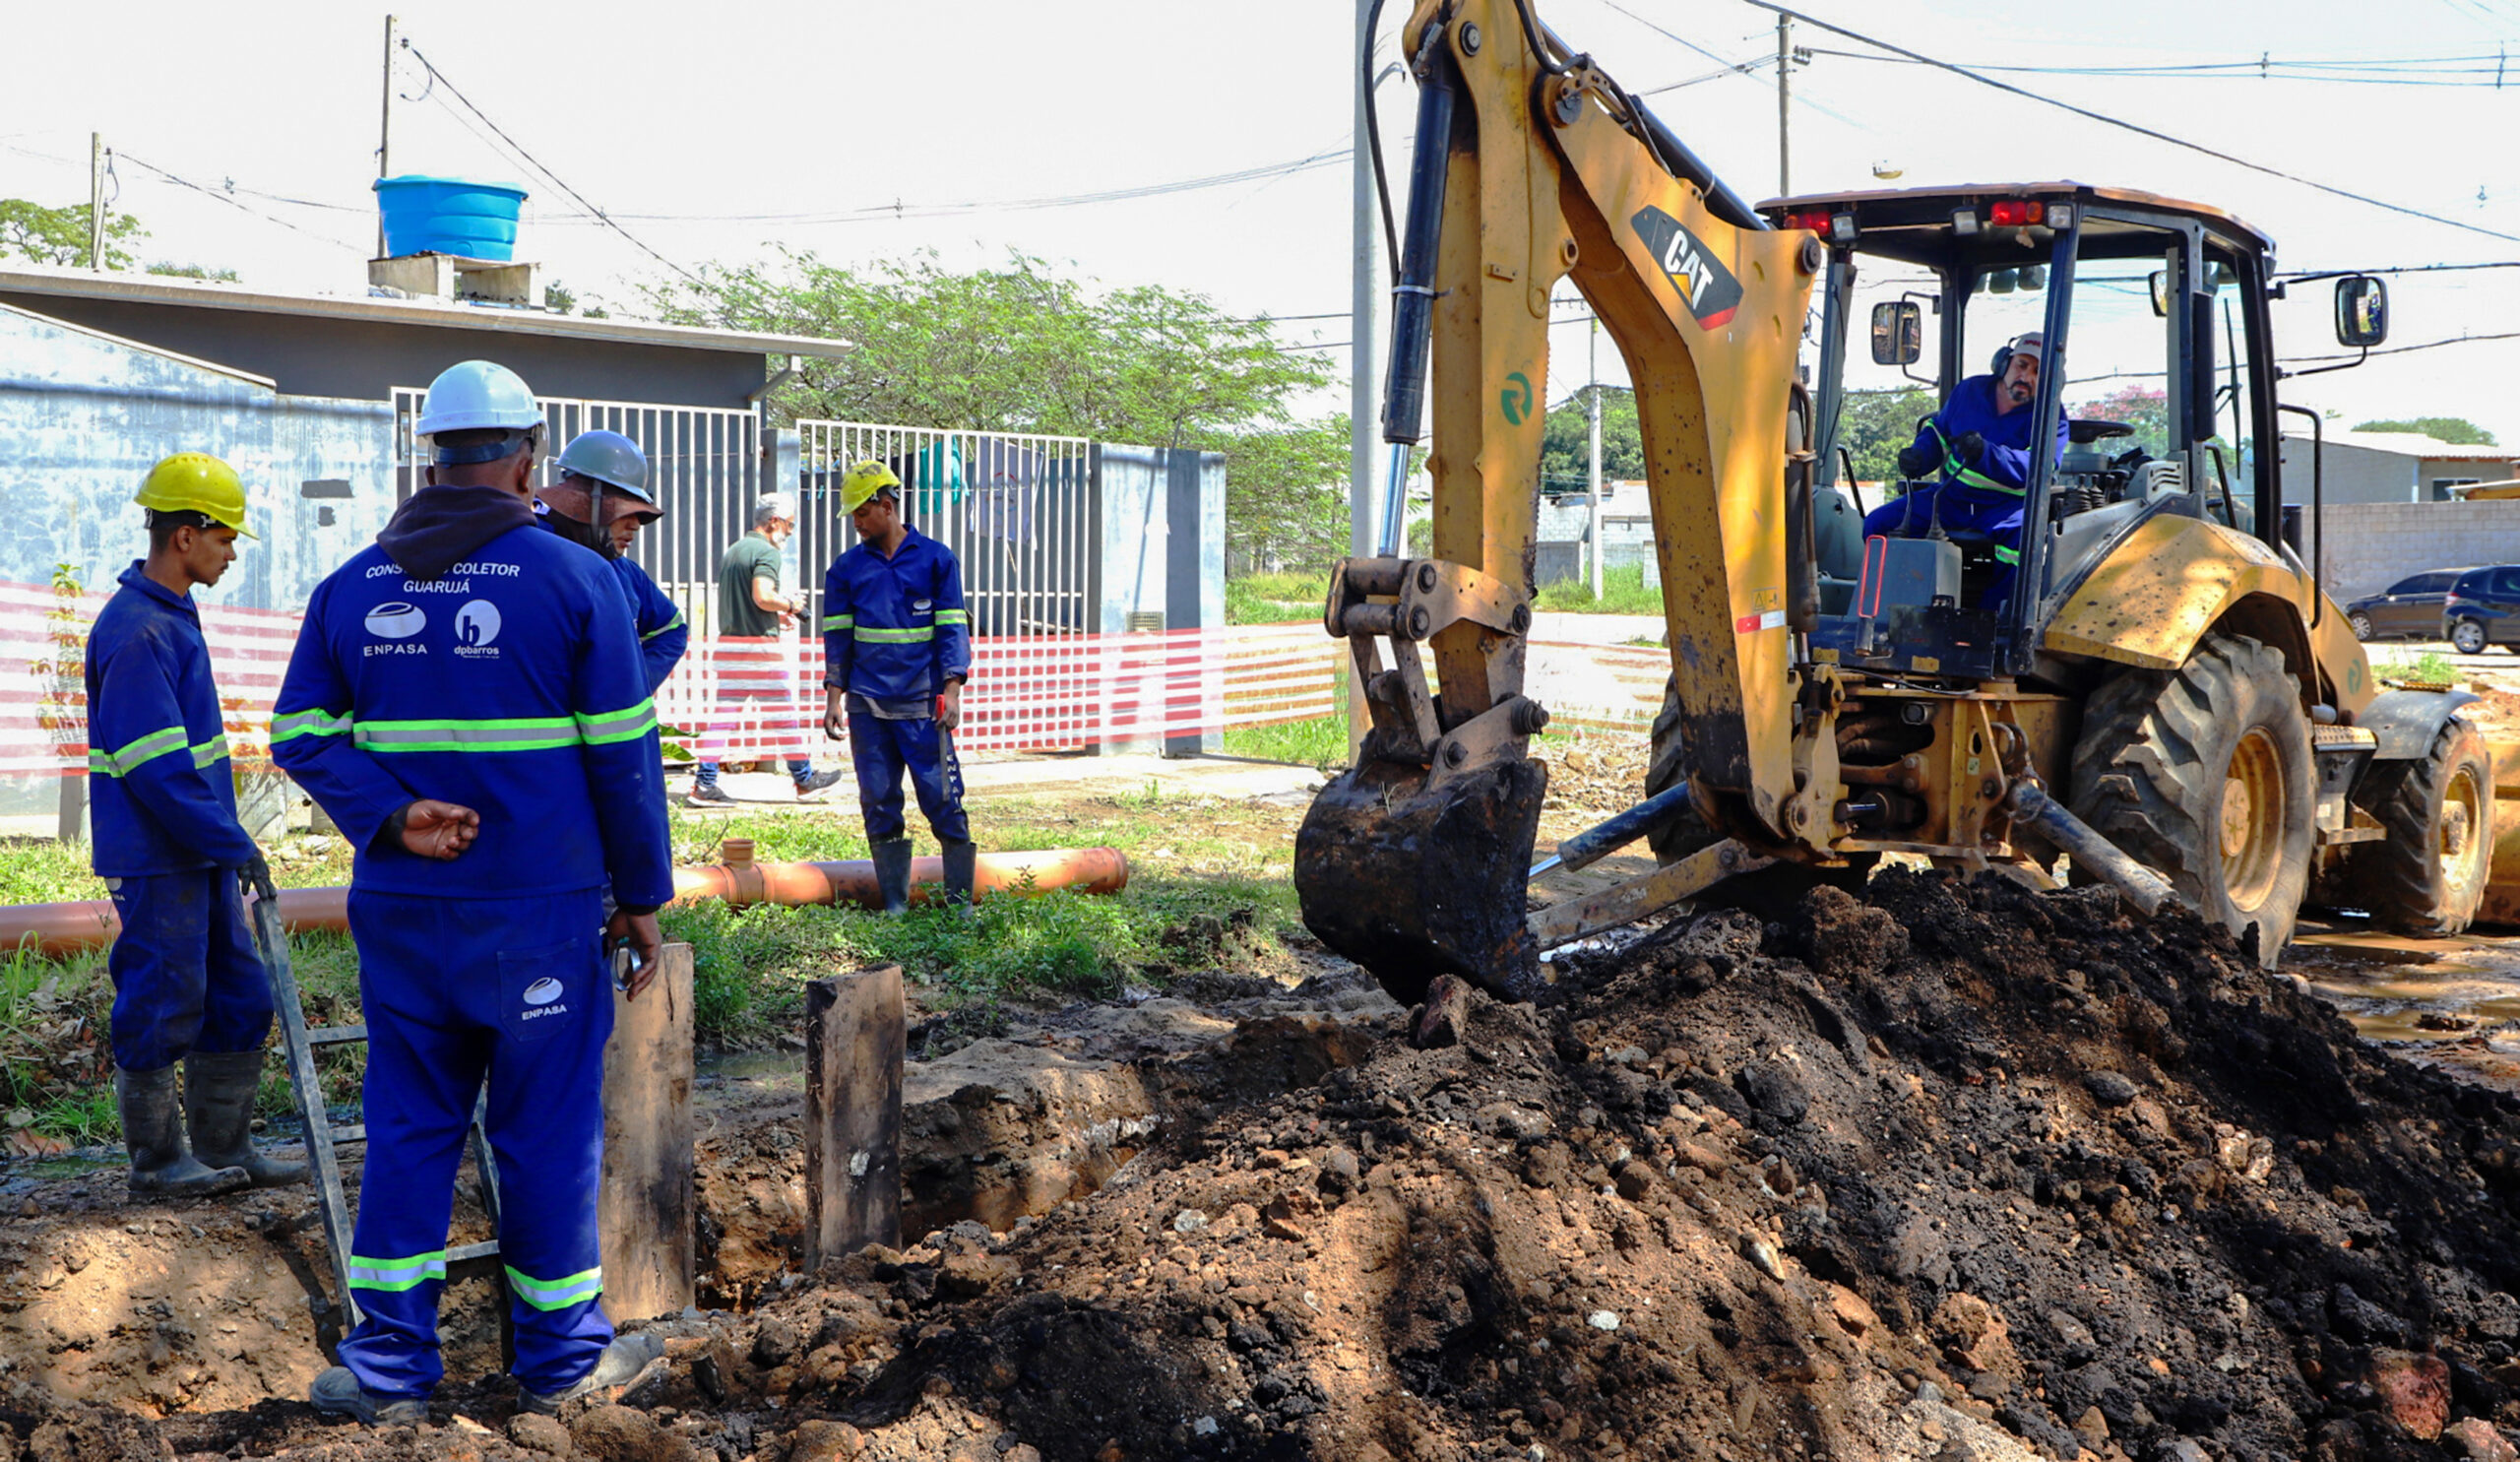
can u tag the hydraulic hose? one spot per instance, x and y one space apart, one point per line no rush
1413 299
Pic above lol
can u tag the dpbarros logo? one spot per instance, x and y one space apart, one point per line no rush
476 624
396 622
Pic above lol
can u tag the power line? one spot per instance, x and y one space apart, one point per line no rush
233 203
2139 130
437 76
2407 70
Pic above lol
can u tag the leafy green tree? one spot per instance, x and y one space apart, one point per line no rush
1022 347
1874 425
192 272
1567 441
59 236
2456 430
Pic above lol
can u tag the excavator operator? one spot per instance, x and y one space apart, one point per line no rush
1976 450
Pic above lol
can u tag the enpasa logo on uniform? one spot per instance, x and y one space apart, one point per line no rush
476 624
540 997
396 620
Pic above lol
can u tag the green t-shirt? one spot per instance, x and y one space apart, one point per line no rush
750 557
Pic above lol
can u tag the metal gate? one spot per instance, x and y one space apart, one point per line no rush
704 464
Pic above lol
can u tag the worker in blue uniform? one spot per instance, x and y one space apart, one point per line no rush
897 647
188 985
466 701
1976 451
603 478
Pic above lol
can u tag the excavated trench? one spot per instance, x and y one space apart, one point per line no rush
1955 1172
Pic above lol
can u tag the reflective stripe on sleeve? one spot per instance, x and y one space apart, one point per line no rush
397 1274
212 750
139 752
618 726
675 624
308 724
953 616
868 636
839 621
557 1294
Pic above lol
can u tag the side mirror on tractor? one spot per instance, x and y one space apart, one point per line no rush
1898 333
2362 311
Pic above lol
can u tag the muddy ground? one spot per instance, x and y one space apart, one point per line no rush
1960 1173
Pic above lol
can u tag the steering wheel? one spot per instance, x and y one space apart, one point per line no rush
2083 430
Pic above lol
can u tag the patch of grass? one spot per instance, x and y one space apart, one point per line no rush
1319 743
41 870
1623 591
1274 599
2430 668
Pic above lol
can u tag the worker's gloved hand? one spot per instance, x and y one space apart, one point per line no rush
1916 460
432 829
638 933
255 874
1971 448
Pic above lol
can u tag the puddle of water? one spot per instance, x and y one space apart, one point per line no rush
2450 1003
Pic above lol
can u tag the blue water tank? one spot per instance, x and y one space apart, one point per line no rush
448 216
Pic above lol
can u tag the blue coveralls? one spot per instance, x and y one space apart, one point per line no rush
663 634
510 683
168 843
1986 499
895 630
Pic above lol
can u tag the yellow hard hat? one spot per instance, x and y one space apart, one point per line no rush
863 481
196 482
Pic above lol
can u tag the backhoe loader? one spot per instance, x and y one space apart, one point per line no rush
2165 696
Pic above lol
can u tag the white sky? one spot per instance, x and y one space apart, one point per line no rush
748 109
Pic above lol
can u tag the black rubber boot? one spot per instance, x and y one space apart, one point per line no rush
219 1109
962 867
892 874
152 1127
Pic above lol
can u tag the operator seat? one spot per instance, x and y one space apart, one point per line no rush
1837 540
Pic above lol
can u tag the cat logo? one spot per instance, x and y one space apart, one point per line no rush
1709 288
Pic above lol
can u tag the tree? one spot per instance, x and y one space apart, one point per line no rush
192 272
2456 430
1874 425
1566 442
1021 348
59 236
2144 408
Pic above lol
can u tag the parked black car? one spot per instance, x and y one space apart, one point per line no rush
2484 608
2408 609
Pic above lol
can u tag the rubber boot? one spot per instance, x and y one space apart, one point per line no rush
892 874
962 867
152 1127
218 1107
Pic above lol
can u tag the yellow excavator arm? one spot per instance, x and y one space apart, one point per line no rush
1531 165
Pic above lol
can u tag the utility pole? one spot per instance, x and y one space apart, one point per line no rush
385 130
1593 369
95 200
1784 106
1364 536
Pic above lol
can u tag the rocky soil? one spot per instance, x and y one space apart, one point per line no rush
1960 1173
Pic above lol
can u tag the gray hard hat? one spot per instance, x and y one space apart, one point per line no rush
610 458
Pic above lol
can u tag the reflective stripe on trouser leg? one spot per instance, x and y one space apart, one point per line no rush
184 969
456 990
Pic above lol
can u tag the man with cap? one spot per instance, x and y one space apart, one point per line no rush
603 478
1976 451
754 672
188 985
467 700
897 647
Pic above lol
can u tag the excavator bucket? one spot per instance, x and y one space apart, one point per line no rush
1413 874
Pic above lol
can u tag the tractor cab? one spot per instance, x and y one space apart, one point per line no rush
2153 397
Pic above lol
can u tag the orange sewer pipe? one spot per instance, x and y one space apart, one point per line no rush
66 928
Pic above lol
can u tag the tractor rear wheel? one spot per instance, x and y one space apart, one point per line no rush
2427 876
2205 774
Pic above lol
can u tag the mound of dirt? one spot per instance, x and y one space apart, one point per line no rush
1961 1171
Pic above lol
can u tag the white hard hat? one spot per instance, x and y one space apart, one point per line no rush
473 395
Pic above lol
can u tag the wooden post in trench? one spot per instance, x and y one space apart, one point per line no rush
648 1202
853 1048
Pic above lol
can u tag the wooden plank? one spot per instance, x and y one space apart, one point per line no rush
853 1048
649 1201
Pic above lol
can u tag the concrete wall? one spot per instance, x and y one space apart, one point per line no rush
2364 474
1627 533
2371 546
83 417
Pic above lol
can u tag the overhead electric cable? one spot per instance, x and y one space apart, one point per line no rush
2138 129
183 181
